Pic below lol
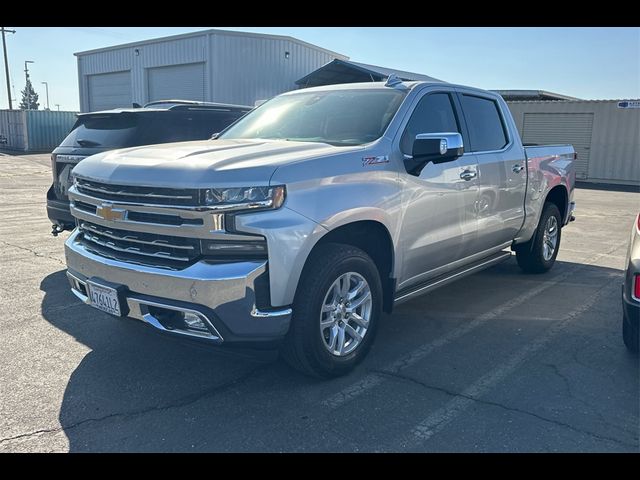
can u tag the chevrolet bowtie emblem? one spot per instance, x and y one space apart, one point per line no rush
111 214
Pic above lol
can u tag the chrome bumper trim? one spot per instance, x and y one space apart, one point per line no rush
225 291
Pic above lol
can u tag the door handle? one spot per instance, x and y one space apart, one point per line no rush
517 168
468 175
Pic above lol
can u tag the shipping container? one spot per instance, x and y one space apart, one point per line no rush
34 130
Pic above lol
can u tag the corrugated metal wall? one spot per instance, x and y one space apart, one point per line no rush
34 130
13 130
246 69
614 152
239 68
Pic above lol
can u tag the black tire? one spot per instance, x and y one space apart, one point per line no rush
631 336
530 255
304 347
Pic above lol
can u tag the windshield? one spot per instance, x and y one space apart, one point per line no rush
112 131
337 117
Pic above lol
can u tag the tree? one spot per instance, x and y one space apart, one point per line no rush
29 97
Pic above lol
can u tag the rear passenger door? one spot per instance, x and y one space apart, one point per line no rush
501 172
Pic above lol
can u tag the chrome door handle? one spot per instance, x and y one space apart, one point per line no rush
517 168
468 175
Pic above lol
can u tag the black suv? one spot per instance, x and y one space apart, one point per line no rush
157 122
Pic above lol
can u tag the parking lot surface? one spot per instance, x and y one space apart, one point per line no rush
498 361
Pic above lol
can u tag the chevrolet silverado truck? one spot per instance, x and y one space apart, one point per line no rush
305 220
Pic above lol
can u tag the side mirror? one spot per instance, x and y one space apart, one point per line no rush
433 147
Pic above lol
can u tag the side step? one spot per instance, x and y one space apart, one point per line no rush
410 293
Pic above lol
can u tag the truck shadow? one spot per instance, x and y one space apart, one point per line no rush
130 369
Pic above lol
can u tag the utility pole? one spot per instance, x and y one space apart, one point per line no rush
6 63
47 87
26 80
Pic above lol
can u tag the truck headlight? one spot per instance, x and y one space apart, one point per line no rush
243 198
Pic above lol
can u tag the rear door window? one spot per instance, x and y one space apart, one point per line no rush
486 127
110 131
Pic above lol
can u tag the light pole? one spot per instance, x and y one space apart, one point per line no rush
6 63
26 78
47 87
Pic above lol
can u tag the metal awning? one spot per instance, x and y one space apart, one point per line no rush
345 71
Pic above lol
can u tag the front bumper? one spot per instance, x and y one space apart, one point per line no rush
222 294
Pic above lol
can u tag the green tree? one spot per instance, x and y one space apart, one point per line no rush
29 97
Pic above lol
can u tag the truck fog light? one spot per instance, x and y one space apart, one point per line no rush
194 322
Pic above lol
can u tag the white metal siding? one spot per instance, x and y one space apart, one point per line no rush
573 128
246 69
239 68
109 90
185 82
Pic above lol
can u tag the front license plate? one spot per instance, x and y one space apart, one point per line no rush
104 298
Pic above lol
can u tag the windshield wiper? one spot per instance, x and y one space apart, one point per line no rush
87 143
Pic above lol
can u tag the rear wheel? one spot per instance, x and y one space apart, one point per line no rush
539 254
335 313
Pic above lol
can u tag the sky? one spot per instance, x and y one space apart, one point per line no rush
589 63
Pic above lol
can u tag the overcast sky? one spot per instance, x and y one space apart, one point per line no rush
590 63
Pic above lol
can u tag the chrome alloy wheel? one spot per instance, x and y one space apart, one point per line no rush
345 314
550 238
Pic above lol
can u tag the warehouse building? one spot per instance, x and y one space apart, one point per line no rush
605 134
211 65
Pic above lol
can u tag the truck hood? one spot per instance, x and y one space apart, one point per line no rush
201 164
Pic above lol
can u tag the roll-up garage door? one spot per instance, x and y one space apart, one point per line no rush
181 82
109 90
553 128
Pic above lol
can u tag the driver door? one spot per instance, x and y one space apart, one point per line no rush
439 209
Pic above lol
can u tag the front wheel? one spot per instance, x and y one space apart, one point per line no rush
336 311
539 254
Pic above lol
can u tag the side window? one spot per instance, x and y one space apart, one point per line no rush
434 113
486 128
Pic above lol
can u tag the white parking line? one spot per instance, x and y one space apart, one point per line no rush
372 379
435 422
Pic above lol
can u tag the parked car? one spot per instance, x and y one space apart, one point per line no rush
631 292
157 122
305 220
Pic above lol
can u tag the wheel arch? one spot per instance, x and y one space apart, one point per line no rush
374 238
559 196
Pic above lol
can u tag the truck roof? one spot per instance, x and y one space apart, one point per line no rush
382 85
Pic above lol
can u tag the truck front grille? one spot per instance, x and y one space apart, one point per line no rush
143 195
136 247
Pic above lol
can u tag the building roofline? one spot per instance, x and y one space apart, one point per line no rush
209 32
535 93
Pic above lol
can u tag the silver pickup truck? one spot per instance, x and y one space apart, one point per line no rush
306 219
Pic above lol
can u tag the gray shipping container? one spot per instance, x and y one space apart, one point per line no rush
34 130
605 134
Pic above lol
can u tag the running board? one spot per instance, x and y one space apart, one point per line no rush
442 280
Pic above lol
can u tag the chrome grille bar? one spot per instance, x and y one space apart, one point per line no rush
134 250
132 238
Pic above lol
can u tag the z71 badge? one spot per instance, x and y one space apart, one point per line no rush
374 160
